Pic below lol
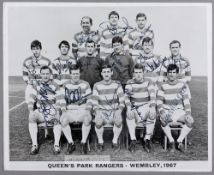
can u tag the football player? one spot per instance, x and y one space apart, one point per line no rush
78 47
61 65
140 100
76 108
108 104
45 95
31 67
174 106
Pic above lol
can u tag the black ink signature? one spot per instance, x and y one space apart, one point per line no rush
46 107
62 67
75 96
108 114
134 107
84 38
114 31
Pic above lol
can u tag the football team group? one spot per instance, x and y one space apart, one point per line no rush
113 77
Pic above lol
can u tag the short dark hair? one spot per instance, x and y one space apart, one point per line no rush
141 15
36 43
65 43
172 67
90 19
44 68
106 66
173 42
74 67
90 41
147 40
139 66
117 39
113 13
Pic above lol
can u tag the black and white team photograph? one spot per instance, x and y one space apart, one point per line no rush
107 86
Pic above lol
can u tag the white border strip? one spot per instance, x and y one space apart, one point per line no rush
195 166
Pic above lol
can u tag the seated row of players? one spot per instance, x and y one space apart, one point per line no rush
74 102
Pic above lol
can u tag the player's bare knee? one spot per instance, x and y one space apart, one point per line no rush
118 123
32 117
63 121
189 121
129 117
87 121
98 122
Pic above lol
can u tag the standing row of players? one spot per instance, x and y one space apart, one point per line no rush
126 53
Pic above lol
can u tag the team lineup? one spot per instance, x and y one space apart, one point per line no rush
113 77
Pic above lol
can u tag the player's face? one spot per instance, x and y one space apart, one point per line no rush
114 20
172 75
86 25
75 75
64 49
138 74
36 51
175 49
147 47
118 47
141 22
46 75
90 48
106 74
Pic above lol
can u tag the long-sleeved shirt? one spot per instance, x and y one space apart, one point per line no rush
122 65
46 96
139 93
106 40
151 63
108 96
136 36
172 96
90 69
31 69
61 69
80 39
184 68
74 96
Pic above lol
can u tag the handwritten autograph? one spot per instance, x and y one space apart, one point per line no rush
46 107
85 37
114 31
136 108
75 96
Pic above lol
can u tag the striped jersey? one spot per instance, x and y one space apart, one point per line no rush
172 96
122 66
31 69
108 96
106 40
61 69
75 95
80 39
136 36
184 68
139 93
46 96
151 64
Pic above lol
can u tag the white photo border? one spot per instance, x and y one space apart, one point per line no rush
182 166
